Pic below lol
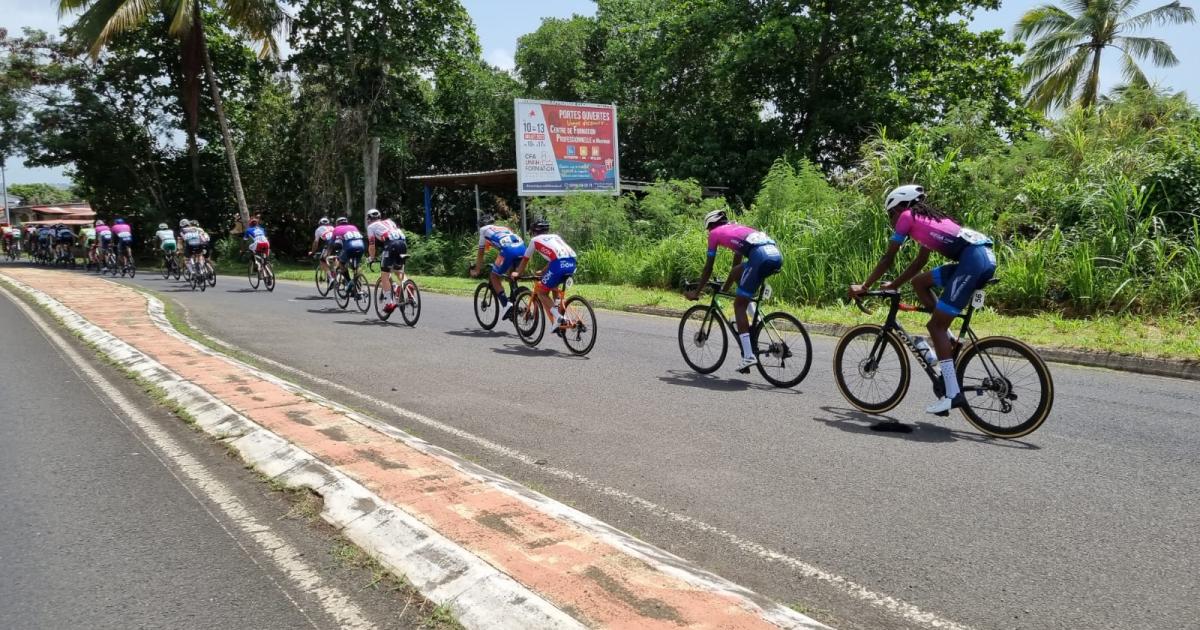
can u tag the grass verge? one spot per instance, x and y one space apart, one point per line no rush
1166 337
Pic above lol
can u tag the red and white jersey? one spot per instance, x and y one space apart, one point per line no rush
384 231
324 233
550 246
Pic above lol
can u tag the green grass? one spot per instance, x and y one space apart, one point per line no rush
1171 337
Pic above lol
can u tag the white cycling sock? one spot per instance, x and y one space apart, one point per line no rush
949 377
554 313
747 351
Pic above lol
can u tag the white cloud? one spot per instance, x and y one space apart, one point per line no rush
501 58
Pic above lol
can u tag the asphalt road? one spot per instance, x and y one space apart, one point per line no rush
100 529
1091 522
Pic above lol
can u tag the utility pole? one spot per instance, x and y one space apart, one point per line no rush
4 183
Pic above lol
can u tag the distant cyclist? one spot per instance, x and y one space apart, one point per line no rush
123 234
350 239
104 242
511 248
762 259
395 251
323 243
64 239
8 238
166 240
259 243
193 246
45 239
560 265
87 241
974 264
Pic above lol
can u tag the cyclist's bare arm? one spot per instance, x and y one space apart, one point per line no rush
882 267
734 272
911 271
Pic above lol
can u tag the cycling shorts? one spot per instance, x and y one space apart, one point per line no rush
168 246
352 249
260 247
394 255
959 281
508 259
190 249
66 240
761 263
556 272
123 245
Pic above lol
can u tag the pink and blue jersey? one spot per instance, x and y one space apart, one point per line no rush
349 235
738 238
943 236
123 232
103 233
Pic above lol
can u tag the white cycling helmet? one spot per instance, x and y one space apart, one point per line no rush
323 221
373 215
162 226
184 223
904 195
715 218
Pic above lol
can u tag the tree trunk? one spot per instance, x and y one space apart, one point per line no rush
1091 89
349 201
370 174
230 154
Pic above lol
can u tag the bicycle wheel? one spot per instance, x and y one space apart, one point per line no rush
342 290
1007 386
410 302
527 317
361 293
381 300
487 307
783 349
268 276
166 268
132 269
702 338
210 274
175 271
322 280
252 274
870 368
580 336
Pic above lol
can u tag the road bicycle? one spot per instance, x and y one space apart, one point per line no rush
407 297
487 304
14 251
324 279
578 331
170 265
127 265
778 339
110 263
351 284
260 272
1007 386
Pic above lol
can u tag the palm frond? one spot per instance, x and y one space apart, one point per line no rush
90 26
1056 88
67 7
1134 77
259 21
1157 50
1042 19
1172 13
129 15
184 18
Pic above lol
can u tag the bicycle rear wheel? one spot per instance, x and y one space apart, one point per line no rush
1007 387
361 293
487 306
783 349
268 277
870 368
253 274
381 299
342 290
210 274
410 302
580 336
166 268
527 317
322 280
703 340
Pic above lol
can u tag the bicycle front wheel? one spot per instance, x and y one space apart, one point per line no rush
381 300
487 311
210 274
253 274
870 368
322 280
362 293
166 269
342 291
410 302
268 276
1007 387
580 334
783 349
527 317
703 340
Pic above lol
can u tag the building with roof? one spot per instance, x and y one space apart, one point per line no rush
65 213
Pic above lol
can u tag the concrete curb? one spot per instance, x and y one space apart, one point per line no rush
479 595
1171 368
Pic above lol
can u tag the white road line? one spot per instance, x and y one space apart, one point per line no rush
891 604
285 556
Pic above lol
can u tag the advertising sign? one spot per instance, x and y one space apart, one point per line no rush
566 147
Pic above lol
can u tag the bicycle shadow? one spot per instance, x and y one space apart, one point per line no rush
307 298
329 310
379 323
855 421
242 290
477 333
522 350
687 378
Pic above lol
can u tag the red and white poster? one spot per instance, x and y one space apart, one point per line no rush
566 147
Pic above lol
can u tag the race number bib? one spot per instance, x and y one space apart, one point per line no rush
977 299
758 238
973 237
352 235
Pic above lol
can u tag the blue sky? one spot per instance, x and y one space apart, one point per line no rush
500 22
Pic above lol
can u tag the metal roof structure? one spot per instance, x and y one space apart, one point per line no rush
502 178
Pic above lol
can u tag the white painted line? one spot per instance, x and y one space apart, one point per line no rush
285 556
477 593
660 559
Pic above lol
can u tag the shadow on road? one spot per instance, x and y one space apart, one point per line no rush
329 310
522 350
242 290
855 421
688 378
476 332
370 322
306 298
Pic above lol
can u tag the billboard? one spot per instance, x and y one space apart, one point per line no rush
565 148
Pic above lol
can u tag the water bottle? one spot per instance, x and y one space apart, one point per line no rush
927 352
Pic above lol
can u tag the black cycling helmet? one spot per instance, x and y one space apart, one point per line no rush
539 226
486 219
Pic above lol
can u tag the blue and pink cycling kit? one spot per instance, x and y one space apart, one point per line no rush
352 242
974 262
124 235
762 256
511 247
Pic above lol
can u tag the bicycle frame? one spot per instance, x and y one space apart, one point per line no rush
715 305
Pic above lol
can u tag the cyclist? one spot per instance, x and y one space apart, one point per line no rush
193 247
45 239
511 249
323 238
166 240
348 237
87 238
8 237
974 264
560 265
18 233
64 238
104 240
395 251
259 244
762 260
123 235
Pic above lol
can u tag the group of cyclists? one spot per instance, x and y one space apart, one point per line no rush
56 242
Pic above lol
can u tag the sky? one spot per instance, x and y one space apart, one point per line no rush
500 22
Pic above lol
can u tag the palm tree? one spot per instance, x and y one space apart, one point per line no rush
1063 64
257 20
